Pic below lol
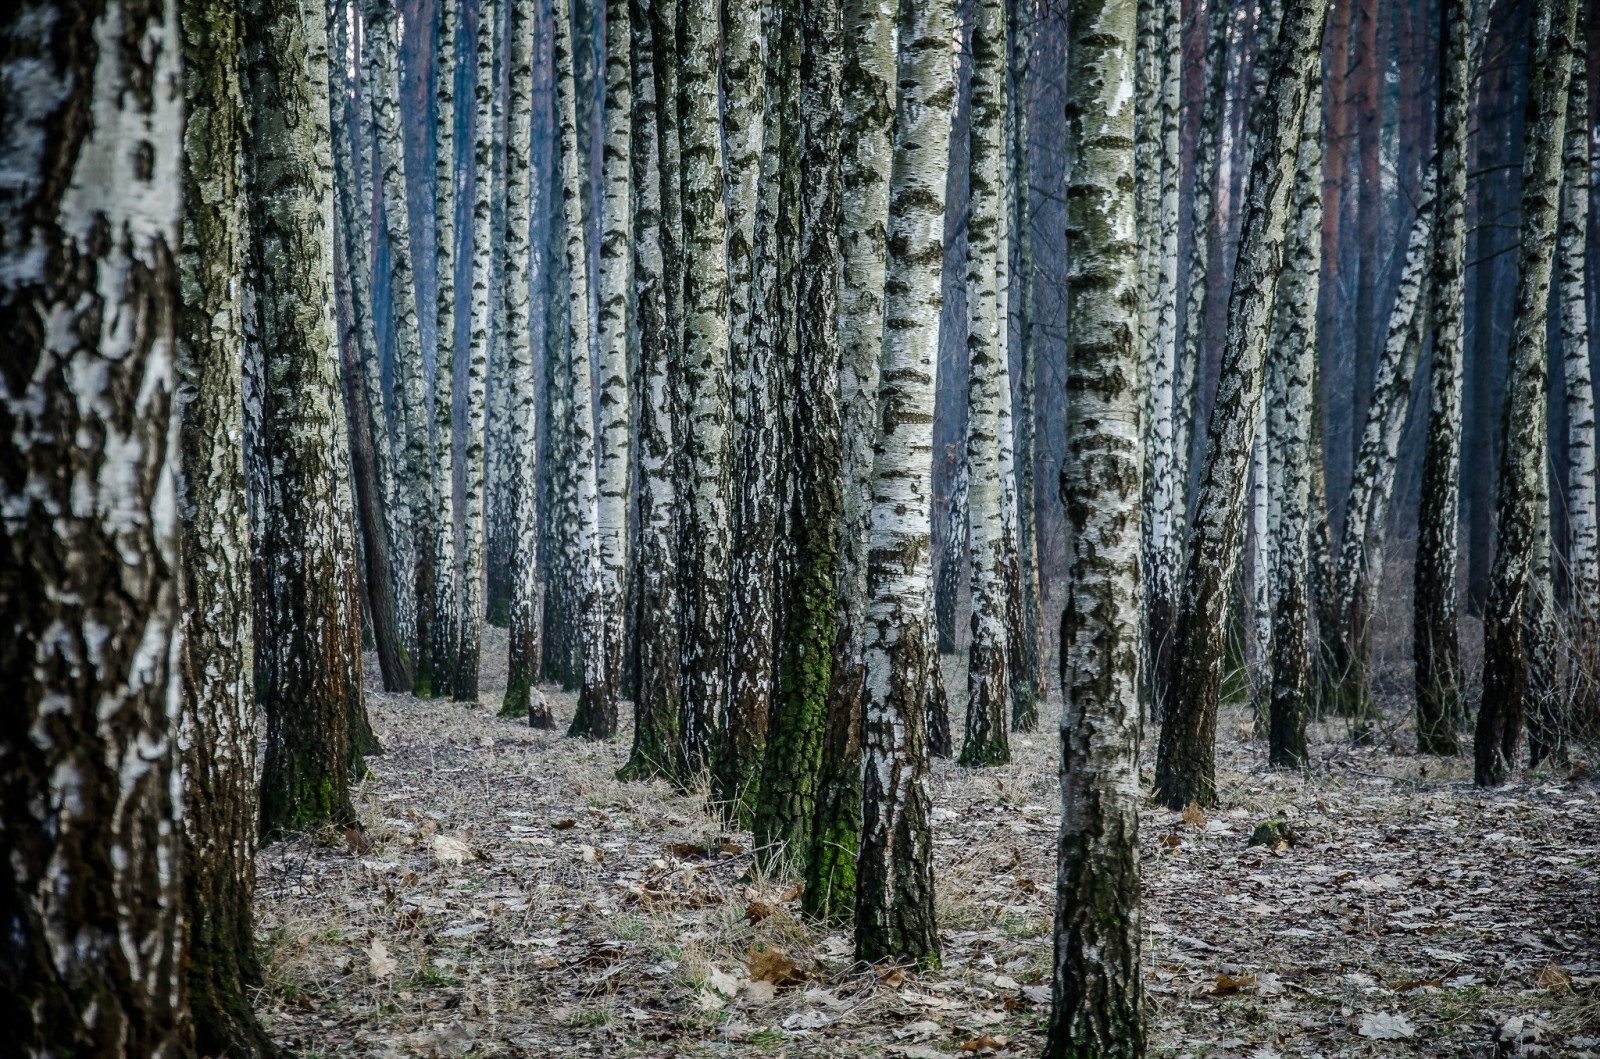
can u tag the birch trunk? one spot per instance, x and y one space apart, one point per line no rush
522 697
707 453
894 870
988 675
436 525
1262 483
655 717
1186 762
91 962
596 716
947 589
1583 522
217 734
1098 992
867 146
308 657
1290 437
1437 651
1360 569
1514 628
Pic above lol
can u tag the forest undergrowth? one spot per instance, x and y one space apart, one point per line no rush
508 896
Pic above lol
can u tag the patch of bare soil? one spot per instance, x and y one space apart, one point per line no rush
510 897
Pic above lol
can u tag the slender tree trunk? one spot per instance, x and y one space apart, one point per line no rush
1583 521
91 960
947 591
1434 597
217 736
308 657
988 675
596 717
522 697
704 490
894 871
1514 646
1098 990
868 88
1290 436
1186 764
655 717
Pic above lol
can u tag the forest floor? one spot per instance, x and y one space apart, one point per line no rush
509 897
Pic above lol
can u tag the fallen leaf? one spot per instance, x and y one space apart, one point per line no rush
1555 978
722 982
1384 1026
450 850
758 991
806 1020
565 825
383 965
920 1028
774 965
915 1051
591 855
893 977
1009 984
756 911
1036 994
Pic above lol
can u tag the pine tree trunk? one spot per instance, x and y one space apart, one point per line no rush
1186 762
522 697
655 717
867 143
217 737
436 524
1360 570
1290 436
894 871
1514 629
988 675
1098 992
596 717
91 962
306 609
704 487
1434 598
1583 521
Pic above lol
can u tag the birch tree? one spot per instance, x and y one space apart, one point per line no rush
1515 645
306 613
90 789
655 717
1098 1003
1186 761
1436 648
988 673
894 870
947 585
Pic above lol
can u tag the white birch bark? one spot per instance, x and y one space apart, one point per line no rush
441 517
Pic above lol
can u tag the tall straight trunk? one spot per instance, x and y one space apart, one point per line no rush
814 456
754 178
1361 544
469 618
706 462
655 703
1098 990
1515 626
92 957
436 525
747 789
867 146
1583 521
894 870
1290 435
382 31
1263 475
306 609
522 697
1186 763
947 587
596 715
1434 597
988 675
217 736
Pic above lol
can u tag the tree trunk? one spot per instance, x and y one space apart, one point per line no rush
308 647
988 676
706 462
894 871
1434 597
522 697
1098 992
1514 646
655 716
947 590
1186 764
91 962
